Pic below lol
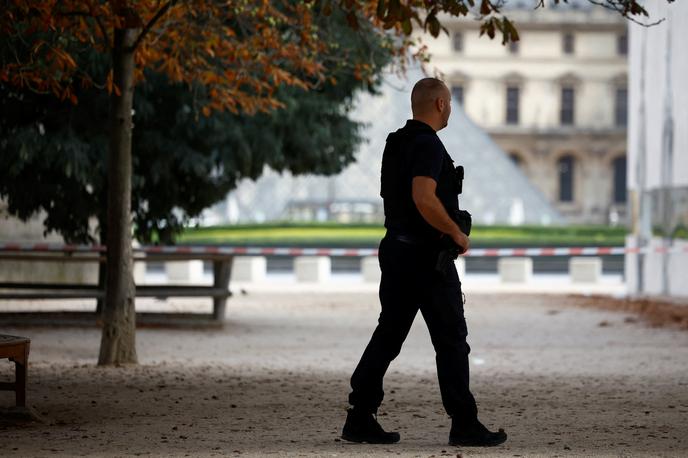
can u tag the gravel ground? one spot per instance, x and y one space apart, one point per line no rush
563 380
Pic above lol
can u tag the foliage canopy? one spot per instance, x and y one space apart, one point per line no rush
53 153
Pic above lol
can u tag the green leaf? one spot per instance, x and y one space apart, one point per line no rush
433 25
511 29
499 26
406 26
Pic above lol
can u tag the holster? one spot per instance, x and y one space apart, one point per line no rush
464 220
449 249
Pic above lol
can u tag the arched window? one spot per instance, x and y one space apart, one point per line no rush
619 169
621 107
565 169
568 105
457 41
512 102
514 47
568 43
622 44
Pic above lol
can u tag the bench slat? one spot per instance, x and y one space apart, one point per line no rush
7 340
91 292
39 286
63 294
182 291
149 257
219 292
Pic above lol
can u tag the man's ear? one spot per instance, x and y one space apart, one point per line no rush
439 103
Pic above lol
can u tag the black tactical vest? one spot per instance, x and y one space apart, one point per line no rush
401 214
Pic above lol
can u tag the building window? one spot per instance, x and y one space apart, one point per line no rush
622 44
457 41
514 47
568 43
516 159
621 107
567 106
565 168
619 166
457 94
512 96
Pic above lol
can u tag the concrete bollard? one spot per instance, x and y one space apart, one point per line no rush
312 268
370 268
249 268
678 268
653 267
139 272
139 266
184 271
585 269
515 270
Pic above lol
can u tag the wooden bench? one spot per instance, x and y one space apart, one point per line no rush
218 291
17 350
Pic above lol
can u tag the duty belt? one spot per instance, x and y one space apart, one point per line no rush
407 238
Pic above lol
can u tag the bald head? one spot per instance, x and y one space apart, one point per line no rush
430 102
425 93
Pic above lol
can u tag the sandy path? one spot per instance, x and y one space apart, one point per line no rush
563 381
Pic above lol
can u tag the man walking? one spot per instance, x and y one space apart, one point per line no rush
419 193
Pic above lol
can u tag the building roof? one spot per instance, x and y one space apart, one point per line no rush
581 14
563 5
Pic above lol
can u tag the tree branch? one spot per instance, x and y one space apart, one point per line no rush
103 30
106 37
152 22
611 5
99 23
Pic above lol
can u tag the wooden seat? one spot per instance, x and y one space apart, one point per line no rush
17 350
218 291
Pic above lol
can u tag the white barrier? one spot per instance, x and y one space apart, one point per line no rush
312 268
314 264
139 273
370 268
288 251
515 270
249 269
184 271
585 269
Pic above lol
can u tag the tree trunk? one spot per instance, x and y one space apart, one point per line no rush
118 343
102 268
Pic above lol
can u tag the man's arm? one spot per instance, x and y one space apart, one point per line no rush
431 209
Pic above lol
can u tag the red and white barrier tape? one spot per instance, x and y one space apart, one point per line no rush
358 252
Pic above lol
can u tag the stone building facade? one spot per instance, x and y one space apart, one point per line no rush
495 190
555 101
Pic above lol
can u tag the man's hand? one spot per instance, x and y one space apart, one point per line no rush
432 210
461 240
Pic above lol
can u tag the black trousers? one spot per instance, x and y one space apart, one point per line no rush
410 283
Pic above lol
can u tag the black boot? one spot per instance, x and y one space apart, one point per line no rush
362 426
475 435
